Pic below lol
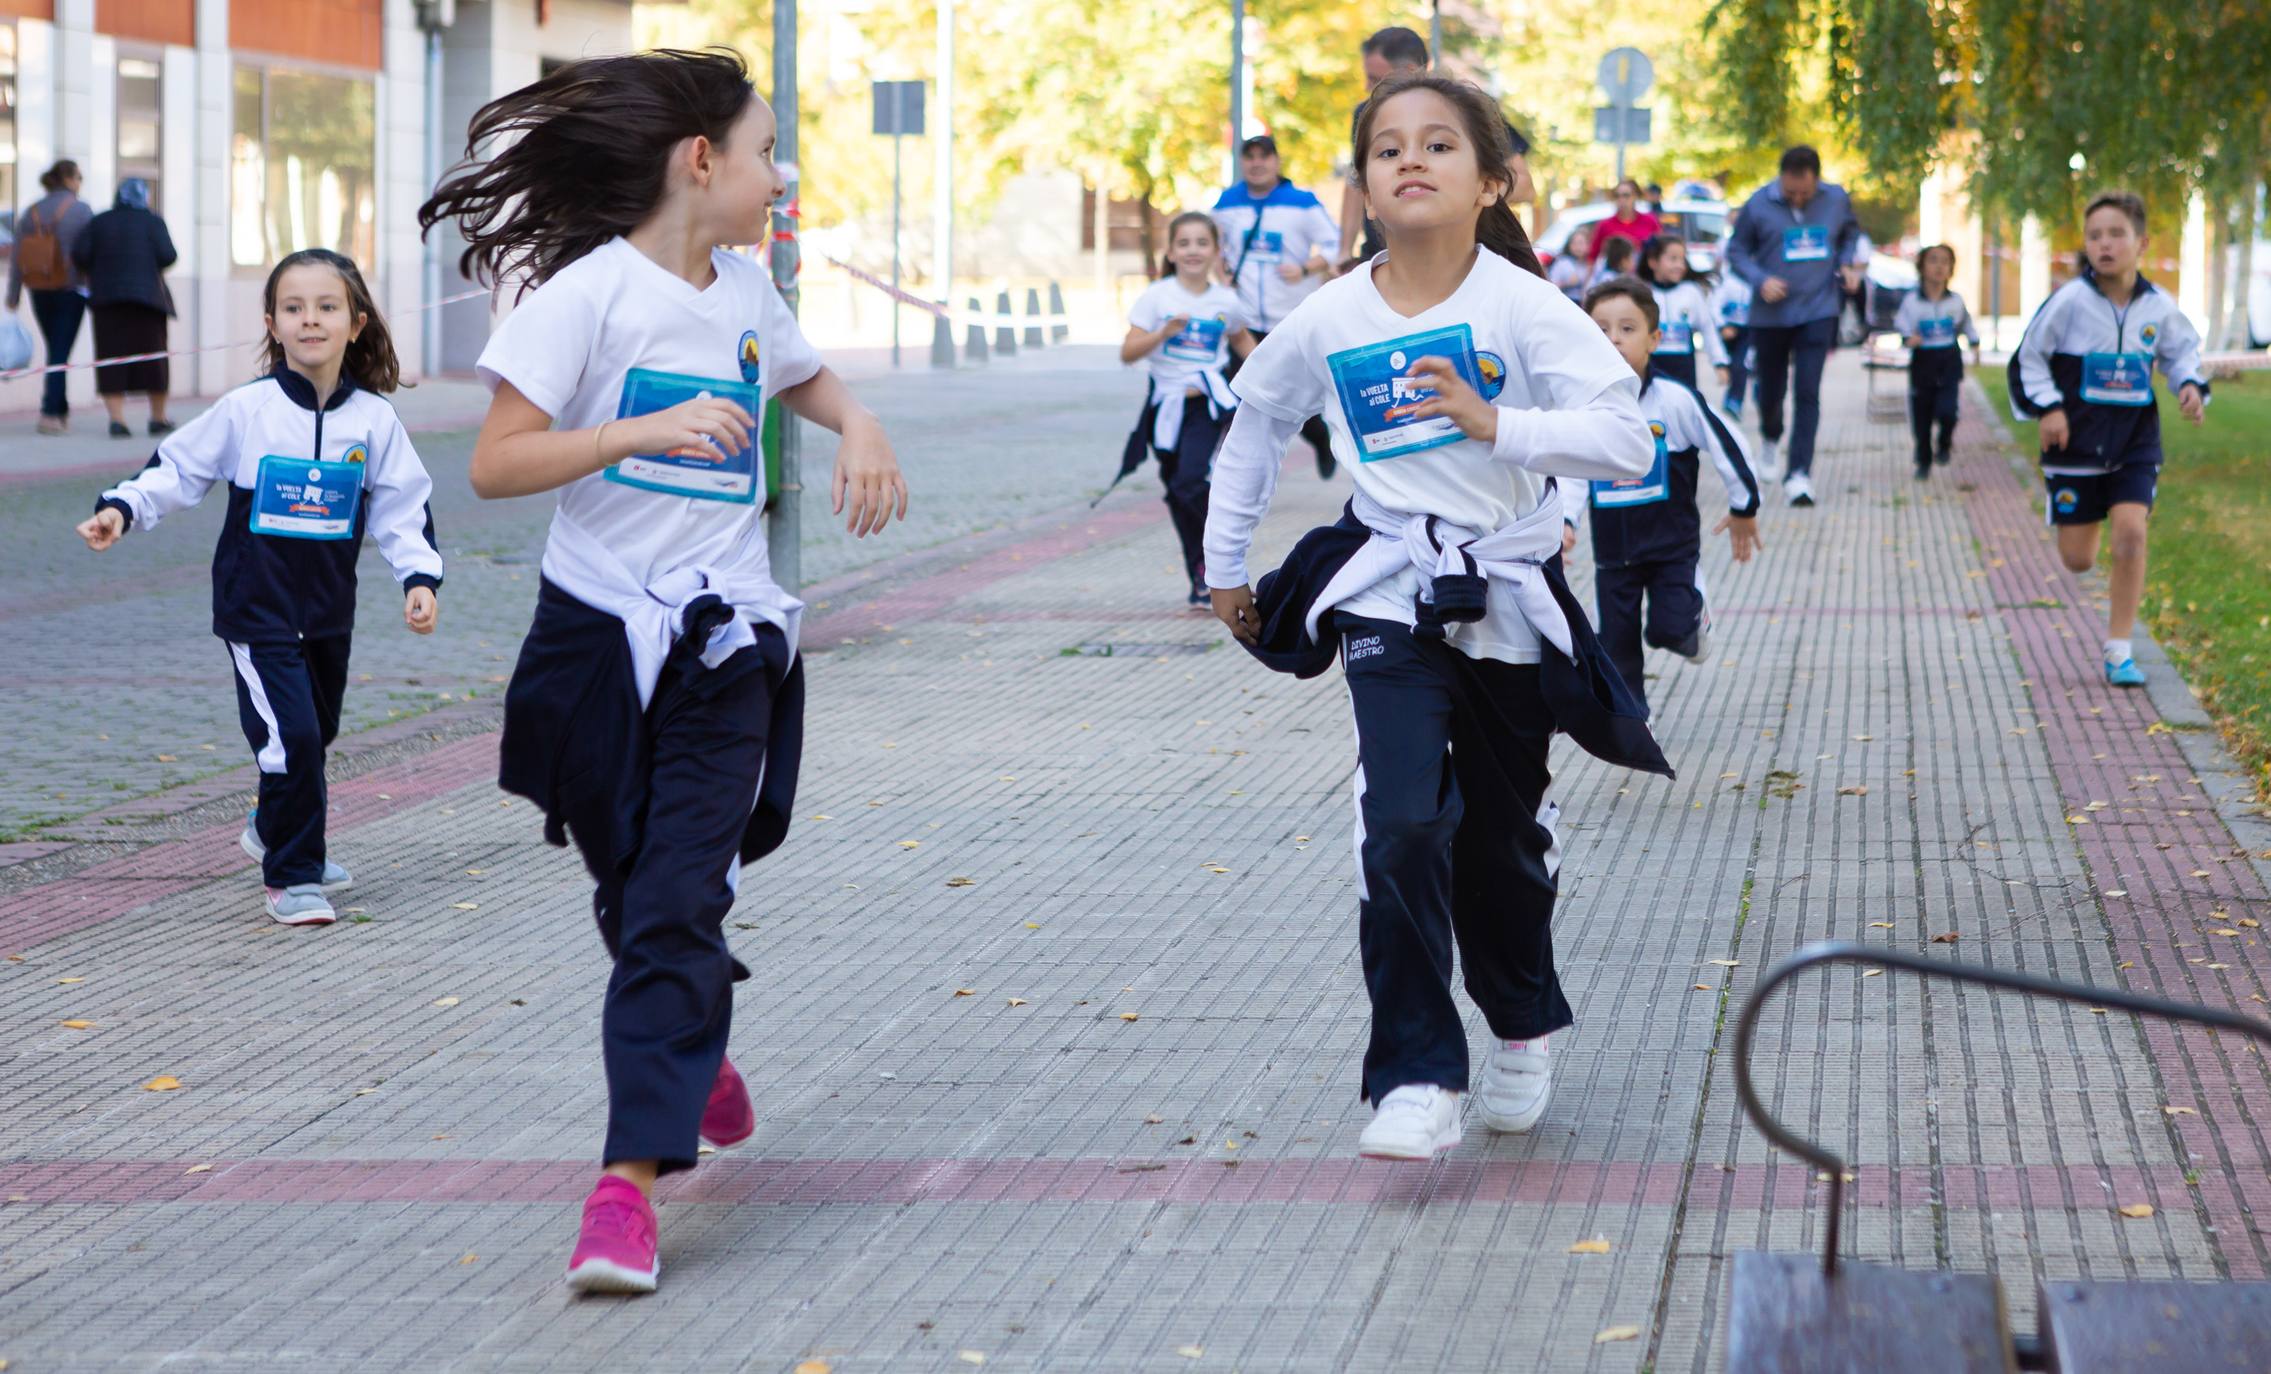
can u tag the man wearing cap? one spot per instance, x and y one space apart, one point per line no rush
1276 241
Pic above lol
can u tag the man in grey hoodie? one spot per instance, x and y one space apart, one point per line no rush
1796 242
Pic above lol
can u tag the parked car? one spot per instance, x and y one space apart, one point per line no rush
1701 224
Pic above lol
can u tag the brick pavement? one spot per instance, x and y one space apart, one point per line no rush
385 1125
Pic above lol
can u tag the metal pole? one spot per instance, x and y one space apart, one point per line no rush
432 334
896 116
785 525
1237 81
942 154
1620 147
1435 32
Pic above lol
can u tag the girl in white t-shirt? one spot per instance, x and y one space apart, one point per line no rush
1184 329
1686 324
1458 384
656 713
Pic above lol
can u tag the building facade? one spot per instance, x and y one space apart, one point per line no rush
265 126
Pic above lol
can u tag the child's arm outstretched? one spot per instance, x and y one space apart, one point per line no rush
866 466
1728 454
1141 341
2037 396
1244 480
518 452
2179 356
401 522
187 464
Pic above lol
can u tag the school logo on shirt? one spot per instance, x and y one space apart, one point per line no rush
2149 333
356 453
1493 370
749 369
1656 427
2066 499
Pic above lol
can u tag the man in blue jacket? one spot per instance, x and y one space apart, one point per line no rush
1794 241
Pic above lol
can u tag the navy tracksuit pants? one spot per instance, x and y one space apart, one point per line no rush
1776 350
1935 381
288 699
1455 847
669 1006
1738 367
1187 471
1657 604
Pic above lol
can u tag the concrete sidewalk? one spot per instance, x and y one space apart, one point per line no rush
1057 1016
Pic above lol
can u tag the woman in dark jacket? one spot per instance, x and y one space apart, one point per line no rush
124 252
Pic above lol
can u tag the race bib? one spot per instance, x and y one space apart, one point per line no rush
298 499
1639 491
1678 337
697 475
1379 399
1805 243
2117 379
1734 312
1200 342
1937 331
1269 247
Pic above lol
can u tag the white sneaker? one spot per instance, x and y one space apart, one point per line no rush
335 877
1769 455
1798 489
1515 1085
1416 1121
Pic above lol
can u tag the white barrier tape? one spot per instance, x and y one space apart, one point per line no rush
23 372
934 309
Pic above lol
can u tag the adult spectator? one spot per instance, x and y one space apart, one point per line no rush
1795 243
125 252
41 264
1402 52
1629 221
1275 238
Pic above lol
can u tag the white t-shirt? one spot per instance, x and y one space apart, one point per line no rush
570 347
1553 375
1204 344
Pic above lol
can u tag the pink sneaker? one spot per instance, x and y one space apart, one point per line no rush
729 1118
615 1253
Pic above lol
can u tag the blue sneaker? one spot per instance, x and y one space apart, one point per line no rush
2126 673
335 876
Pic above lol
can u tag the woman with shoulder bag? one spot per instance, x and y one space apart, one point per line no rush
46 232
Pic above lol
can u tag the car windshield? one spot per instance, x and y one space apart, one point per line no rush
1696 226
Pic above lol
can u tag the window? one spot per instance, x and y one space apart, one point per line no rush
141 111
8 186
301 165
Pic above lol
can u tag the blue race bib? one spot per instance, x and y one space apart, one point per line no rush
1735 312
1937 331
696 475
2117 379
1805 243
1639 491
1678 337
295 498
1269 246
1378 398
1200 342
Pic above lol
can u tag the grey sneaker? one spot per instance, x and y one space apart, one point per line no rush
300 905
334 876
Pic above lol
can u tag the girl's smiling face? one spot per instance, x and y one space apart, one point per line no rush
741 181
1194 248
1671 264
313 318
1420 167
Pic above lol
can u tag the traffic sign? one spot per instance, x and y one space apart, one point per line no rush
1625 74
1620 124
899 108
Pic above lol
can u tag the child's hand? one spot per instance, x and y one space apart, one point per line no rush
1475 417
2054 431
868 470
1175 325
1234 606
1568 538
1742 535
1916 341
705 427
2191 402
420 611
102 529
1721 369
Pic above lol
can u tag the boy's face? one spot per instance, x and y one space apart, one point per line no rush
2112 244
1627 328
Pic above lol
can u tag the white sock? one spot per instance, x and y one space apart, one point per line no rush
2117 651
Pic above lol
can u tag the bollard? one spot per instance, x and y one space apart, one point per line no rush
974 337
941 338
1033 338
1061 330
1005 333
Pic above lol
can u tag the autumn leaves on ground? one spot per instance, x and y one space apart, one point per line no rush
2208 582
